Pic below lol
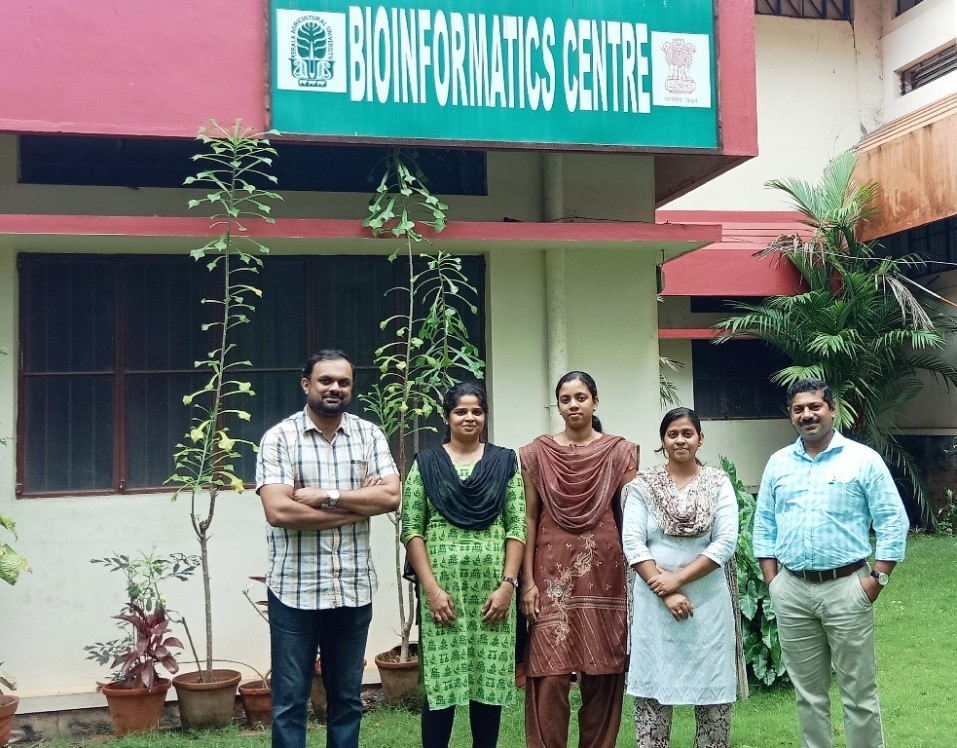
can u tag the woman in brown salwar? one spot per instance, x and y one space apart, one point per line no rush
573 574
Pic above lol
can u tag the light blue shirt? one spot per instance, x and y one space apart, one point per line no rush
816 513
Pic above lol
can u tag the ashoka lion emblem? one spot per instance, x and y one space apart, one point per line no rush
679 55
311 55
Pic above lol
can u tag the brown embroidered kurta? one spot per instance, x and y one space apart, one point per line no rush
579 563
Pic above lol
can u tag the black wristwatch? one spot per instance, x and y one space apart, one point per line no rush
881 577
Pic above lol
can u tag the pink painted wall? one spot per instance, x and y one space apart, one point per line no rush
133 67
163 67
737 79
729 267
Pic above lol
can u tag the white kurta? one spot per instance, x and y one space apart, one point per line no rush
690 661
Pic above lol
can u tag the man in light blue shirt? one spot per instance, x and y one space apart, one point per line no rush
819 499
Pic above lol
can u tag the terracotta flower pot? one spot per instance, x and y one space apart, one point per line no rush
209 704
400 680
8 707
318 696
256 696
135 709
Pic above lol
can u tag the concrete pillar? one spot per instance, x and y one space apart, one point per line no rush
556 314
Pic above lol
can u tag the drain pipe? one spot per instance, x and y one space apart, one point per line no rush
556 313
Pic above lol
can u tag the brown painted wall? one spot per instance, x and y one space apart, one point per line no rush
912 159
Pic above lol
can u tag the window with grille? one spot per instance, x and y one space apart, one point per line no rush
108 344
166 162
933 243
905 5
732 381
834 10
929 69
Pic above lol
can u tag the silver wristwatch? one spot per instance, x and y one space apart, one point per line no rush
333 497
881 577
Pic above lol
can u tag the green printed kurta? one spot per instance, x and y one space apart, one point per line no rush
468 660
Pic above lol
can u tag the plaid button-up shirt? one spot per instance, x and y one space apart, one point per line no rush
816 513
313 570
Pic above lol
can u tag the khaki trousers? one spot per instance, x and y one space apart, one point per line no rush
821 623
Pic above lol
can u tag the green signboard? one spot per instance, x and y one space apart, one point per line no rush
624 74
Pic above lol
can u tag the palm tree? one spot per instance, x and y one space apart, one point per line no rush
668 390
858 326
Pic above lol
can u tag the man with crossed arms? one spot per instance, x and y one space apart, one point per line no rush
321 474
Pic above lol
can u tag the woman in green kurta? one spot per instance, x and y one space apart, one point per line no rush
463 525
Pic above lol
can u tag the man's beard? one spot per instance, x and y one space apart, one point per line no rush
328 410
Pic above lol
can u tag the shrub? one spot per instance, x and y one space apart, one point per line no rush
762 649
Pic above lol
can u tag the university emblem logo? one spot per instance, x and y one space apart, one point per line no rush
679 54
312 51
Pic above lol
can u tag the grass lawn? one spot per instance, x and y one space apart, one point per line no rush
917 658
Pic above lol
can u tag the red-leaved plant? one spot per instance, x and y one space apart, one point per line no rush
151 647
144 618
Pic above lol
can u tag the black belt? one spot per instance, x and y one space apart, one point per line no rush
828 574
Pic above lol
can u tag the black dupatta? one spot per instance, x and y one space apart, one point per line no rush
475 502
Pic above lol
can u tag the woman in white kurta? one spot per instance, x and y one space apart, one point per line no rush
680 528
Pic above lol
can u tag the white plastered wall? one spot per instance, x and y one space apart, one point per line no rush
819 91
612 334
748 444
909 38
814 101
67 602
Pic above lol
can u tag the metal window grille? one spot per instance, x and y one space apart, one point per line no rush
732 381
933 243
905 5
108 344
833 10
929 69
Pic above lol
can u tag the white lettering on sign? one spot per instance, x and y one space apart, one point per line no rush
448 58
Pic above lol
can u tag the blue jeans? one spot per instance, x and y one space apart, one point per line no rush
295 635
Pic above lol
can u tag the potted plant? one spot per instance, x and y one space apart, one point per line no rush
8 707
136 695
256 695
11 562
11 565
430 350
136 700
204 460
